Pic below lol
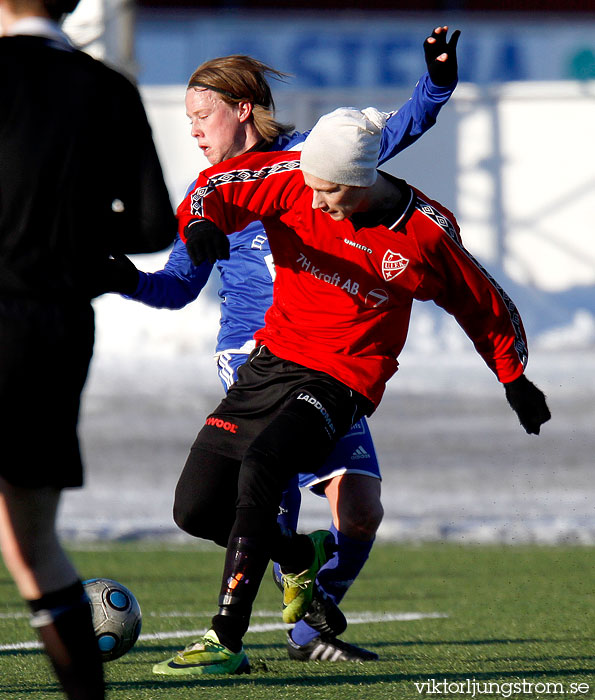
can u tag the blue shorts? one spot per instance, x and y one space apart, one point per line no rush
354 453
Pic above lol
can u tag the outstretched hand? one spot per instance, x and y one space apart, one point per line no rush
528 402
114 274
204 241
441 56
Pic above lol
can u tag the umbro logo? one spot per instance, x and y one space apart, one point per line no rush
360 453
359 246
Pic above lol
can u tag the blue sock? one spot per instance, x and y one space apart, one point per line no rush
289 510
336 576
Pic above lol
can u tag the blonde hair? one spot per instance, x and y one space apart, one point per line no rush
240 78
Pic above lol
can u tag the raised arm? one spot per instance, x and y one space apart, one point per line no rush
432 91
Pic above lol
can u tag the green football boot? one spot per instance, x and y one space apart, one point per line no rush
298 589
205 656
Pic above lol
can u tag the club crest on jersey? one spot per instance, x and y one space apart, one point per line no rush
393 264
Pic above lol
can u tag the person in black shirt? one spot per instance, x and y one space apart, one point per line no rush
80 184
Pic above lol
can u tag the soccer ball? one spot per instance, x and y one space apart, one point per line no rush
116 614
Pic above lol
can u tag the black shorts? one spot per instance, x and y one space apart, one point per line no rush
279 418
45 350
267 385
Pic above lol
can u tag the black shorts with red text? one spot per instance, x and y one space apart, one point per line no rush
268 385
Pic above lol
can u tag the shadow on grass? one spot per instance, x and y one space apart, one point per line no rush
260 679
11 692
337 679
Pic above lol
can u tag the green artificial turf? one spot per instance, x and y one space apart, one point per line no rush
512 622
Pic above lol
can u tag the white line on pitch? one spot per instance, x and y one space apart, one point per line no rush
209 613
356 619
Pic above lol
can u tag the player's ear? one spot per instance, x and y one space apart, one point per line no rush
244 110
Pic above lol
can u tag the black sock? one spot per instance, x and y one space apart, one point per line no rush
245 563
230 630
63 620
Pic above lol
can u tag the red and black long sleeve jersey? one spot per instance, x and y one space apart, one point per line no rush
343 293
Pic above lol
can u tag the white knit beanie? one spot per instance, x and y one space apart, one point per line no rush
343 146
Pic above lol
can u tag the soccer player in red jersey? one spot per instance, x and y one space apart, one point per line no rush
353 247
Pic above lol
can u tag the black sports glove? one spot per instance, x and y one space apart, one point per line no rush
114 274
204 241
528 402
443 71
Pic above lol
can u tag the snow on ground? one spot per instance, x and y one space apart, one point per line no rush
456 465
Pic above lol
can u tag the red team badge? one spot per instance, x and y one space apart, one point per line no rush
393 264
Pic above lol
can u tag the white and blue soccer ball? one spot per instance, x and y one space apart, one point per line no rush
117 616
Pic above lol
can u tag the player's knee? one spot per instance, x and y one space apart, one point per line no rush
375 519
184 518
201 522
362 523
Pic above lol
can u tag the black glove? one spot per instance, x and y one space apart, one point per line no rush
443 71
114 274
528 402
204 241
